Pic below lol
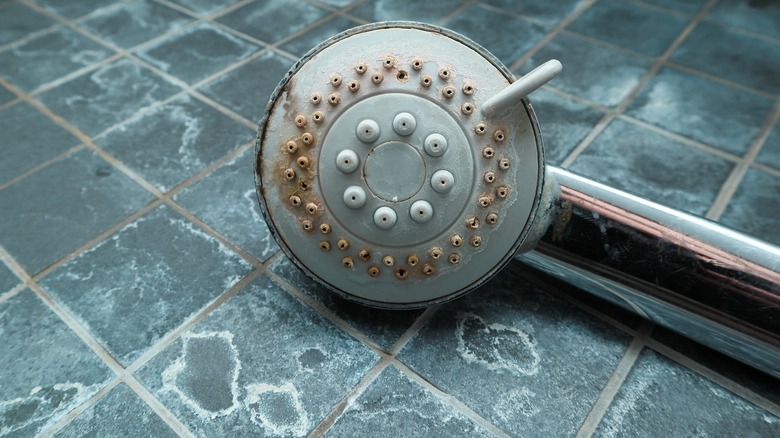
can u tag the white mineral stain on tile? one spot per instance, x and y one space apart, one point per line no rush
44 405
627 403
201 385
86 57
189 226
311 358
496 346
277 409
516 401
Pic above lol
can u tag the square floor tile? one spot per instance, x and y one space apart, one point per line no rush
662 398
524 360
47 369
52 212
756 16
549 13
641 29
205 7
770 152
134 23
399 406
256 79
169 143
594 72
29 138
49 57
693 106
516 37
8 280
632 158
74 8
754 208
272 20
432 11
100 99
133 288
197 52
686 6
261 364
752 61
564 123
301 44
226 199
17 21
118 414
384 327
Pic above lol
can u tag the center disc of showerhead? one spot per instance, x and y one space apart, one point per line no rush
394 171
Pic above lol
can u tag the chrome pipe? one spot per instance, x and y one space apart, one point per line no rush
703 280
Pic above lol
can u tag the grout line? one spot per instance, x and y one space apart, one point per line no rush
610 45
449 399
16 290
615 381
413 329
78 410
455 11
338 409
40 166
53 27
166 415
767 169
659 8
719 79
10 103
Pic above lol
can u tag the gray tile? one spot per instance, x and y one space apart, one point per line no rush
226 200
272 20
432 11
309 39
751 61
662 398
134 23
169 143
133 288
754 208
47 369
49 57
686 6
100 99
257 78
516 37
693 106
197 52
564 123
384 327
205 7
52 212
262 364
8 280
119 414
17 21
632 158
770 152
549 13
600 74
634 27
399 406
760 16
6 96
74 8
529 363
29 138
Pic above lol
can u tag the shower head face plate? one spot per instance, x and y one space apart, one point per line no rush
381 178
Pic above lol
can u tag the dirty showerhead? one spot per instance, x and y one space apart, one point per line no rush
399 164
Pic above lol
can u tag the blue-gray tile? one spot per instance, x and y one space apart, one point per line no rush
384 327
47 369
770 152
197 52
756 16
693 106
432 11
634 27
49 57
6 95
169 143
257 79
8 280
272 20
119 414
17 21
754 208
685 6
529 363
594 72
133 288
548 13
134 23
752 61
662 398
564 123
632 158
100 99
205 7
398 406
29 138
308 40
226 200
74 8
52 212
516 37
262 364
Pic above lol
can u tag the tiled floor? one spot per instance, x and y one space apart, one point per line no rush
142 295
